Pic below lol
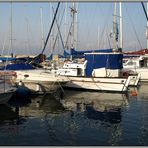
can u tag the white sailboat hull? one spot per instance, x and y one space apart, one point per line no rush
40 87
100 84
39 81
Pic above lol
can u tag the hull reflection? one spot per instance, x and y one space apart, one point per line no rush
75 100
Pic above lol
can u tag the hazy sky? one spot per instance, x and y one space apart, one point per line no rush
95 23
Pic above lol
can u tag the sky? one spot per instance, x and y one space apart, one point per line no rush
92 28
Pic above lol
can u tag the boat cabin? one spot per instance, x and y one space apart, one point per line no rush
138 62
94 65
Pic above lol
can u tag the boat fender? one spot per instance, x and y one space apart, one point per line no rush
133 93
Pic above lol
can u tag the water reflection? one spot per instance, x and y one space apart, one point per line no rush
141 105
112 116
78 100
141 91
143 97
19 110
6 114
78 118
35 106
99 111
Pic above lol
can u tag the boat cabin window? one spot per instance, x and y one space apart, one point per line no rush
125 61
131 63
79 71
143 63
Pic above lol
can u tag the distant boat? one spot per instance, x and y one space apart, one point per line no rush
138 52
138 60
138 65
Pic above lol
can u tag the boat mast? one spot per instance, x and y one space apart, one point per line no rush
115 26
3 46
11 29
121 35
65 24
50 28
147 29
51 38
146 15
98 35
28 41
73 20
41 19
76 29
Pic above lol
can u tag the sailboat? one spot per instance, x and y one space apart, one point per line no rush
138 65
40 80
138 62
12 63
89 73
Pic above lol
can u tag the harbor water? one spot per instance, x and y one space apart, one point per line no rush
77 118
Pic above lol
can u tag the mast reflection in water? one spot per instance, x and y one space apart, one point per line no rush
79 118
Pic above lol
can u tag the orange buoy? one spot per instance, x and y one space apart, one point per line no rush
133 93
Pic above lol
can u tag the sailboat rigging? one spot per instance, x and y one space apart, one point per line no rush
40 58
59 32
51 28
144 11
89 73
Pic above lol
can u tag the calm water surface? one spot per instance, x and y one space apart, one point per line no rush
79 118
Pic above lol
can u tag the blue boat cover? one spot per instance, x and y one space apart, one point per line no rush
60 56
18 66
50 57
66 54
109 61
7 59
80 54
